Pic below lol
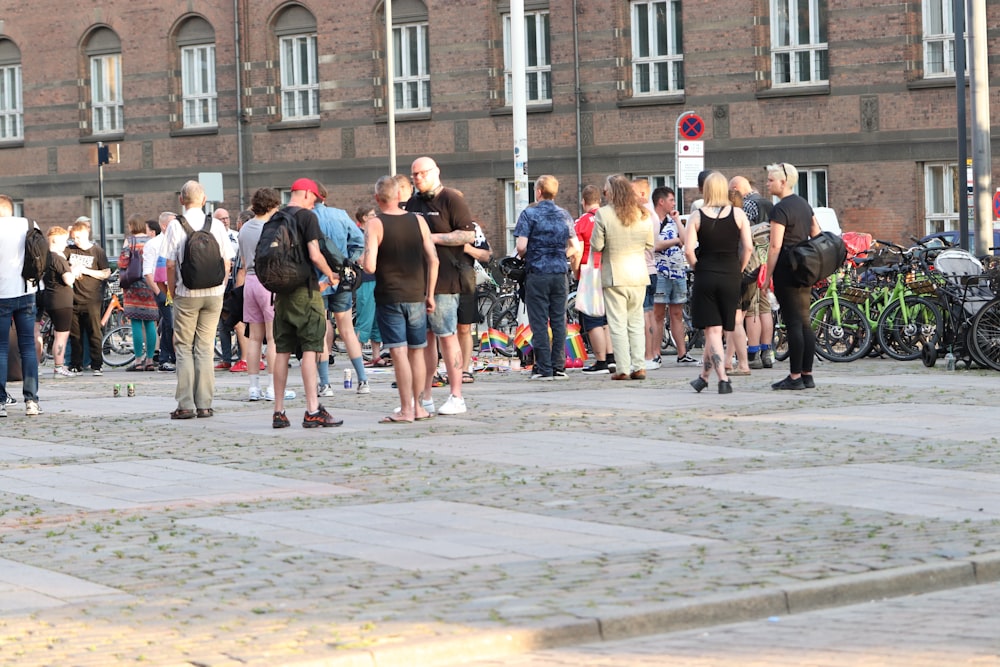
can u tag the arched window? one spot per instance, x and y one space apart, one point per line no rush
295 29
11 107
104 52
199 96
410 55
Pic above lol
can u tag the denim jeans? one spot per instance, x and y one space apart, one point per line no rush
20 310
166 333
545 301
195 321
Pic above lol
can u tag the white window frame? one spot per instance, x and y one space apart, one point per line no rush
510 213
939 39
410 67
299 77
114 223
199 93
813 186
940 199
789 49
106 105
11 104
657 52
537 58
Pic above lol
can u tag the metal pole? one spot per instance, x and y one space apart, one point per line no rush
390 86
979 93
100 192
519 106
958 19
239 105
578 94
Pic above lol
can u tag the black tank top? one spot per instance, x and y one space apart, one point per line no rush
400 272
718 243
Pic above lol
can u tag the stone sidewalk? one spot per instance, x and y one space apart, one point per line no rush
551 514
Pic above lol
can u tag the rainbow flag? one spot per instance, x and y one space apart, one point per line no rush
497 339
522 338
484 341
574 343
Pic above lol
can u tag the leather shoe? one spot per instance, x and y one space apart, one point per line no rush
725 387
620 376
699 383
638 375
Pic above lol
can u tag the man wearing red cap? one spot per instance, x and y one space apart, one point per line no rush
300 317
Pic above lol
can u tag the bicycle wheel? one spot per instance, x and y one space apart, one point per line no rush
842 330
780 342
484 304
985 334
116 347
905 327
503 317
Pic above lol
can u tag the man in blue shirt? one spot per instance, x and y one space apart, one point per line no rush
546 239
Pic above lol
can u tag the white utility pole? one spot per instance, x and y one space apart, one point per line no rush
519 106
390 87
981 155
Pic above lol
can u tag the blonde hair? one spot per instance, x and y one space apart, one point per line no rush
622 198
716 190
785 171
547 185
55 231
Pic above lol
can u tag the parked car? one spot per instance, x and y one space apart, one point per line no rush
950 238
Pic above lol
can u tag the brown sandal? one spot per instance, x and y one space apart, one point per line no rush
182 414
205 412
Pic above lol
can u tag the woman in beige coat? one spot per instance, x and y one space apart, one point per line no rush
623 231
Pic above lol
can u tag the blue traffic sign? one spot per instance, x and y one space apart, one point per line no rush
691 127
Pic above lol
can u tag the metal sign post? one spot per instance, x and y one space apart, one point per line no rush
689 152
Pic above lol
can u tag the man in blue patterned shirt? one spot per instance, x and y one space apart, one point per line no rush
671 271
546 240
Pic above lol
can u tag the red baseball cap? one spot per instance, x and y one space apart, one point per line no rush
308 185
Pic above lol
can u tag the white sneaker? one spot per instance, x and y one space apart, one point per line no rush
453 406
31 408
363 388
97 372
255 393
326 390
269 394
62 371
652 364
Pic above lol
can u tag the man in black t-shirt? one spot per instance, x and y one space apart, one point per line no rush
90 268
300 317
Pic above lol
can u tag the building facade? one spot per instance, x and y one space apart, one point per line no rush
859 94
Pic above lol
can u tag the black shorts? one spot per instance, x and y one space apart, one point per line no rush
61 318
467 311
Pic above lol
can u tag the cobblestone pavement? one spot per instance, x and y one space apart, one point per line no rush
551 514
956 627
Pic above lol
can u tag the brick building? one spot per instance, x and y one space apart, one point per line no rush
859 94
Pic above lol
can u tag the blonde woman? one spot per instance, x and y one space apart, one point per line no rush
623 232
717 247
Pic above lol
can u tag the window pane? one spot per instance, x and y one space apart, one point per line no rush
641 28
660 29
780 36
802 33
530 41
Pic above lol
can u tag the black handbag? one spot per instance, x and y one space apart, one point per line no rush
816 258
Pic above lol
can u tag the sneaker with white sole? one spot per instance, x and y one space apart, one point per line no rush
10 400
269 394
453 406
62 371
3 411
97 372
255 394
326 390
363 388
652 364
32 409
687 359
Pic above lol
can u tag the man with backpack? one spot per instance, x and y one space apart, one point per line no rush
17 305
756 206
287 253
198 256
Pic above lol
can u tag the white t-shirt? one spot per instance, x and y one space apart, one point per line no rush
12 234
173 249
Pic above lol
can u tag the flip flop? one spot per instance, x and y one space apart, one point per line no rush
424 418
467 377
393 419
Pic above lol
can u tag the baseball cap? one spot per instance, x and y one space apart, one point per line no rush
307 185
82 218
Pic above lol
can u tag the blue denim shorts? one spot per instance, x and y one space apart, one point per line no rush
670 290
647 302
444 320
402 324
339 302
590 322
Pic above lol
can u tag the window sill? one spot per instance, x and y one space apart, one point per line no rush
12 143
935 82
404 116
652 100
543 107
294 124
194 131
106 138
794 91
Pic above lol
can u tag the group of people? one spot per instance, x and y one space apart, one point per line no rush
416 298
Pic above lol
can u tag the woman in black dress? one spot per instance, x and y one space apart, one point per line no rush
792 221
717 247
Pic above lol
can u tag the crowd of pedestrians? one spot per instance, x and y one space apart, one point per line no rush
415 297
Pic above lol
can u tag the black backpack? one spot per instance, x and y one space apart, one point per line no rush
202 266
36 255
281 260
